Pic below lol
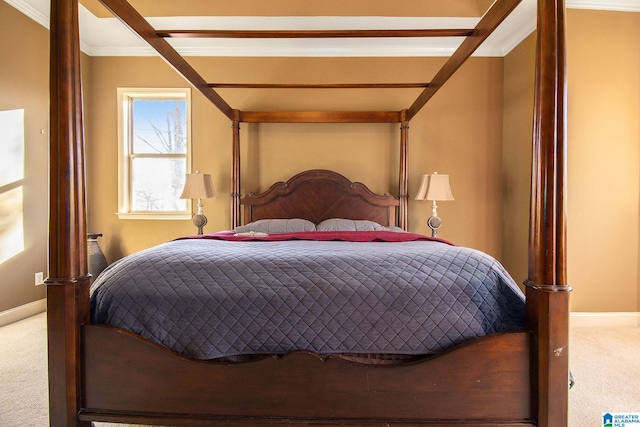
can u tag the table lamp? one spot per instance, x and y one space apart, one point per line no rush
198 186
434 187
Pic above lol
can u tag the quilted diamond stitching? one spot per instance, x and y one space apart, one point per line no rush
209 299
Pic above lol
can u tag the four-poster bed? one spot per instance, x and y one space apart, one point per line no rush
98 373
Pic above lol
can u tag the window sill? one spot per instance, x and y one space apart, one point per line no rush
154 216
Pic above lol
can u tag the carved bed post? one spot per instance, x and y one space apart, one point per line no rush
68 278
547 289
235 172
403 184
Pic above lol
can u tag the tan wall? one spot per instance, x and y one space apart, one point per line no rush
24 75
458 133
604 167
519 70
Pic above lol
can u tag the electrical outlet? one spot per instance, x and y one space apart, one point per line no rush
39 278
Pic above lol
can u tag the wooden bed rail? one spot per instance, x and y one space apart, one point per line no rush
319 85
312 34
320 116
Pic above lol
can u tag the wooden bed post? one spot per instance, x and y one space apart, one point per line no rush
68 281
547 289
403 184
235 172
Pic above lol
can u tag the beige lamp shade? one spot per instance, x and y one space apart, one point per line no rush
435 187
198 186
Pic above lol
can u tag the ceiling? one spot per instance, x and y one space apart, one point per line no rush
103 35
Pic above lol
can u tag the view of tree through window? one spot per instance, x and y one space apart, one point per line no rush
157 177
155 151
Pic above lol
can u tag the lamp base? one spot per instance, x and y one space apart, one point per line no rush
199 221
434 224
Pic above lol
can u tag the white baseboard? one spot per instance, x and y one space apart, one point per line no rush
22 312
605 319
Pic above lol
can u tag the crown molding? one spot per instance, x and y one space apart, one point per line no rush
37 14
121 42
611 5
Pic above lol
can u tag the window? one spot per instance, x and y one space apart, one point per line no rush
154 130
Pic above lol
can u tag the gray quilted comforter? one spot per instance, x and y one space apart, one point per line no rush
216 297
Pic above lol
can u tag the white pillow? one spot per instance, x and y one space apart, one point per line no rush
341 224
272 226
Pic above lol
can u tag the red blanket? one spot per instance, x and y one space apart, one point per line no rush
347 236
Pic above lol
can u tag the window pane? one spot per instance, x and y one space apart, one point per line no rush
159 126
157 184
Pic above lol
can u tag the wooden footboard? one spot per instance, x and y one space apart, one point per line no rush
127 379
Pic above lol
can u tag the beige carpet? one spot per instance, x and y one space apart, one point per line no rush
605 363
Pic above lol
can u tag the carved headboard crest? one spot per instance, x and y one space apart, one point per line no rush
319 194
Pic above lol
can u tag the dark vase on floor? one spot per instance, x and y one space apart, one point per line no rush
96 259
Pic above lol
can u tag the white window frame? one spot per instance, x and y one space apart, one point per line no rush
126 155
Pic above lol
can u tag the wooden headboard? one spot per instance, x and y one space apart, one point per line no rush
318 194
